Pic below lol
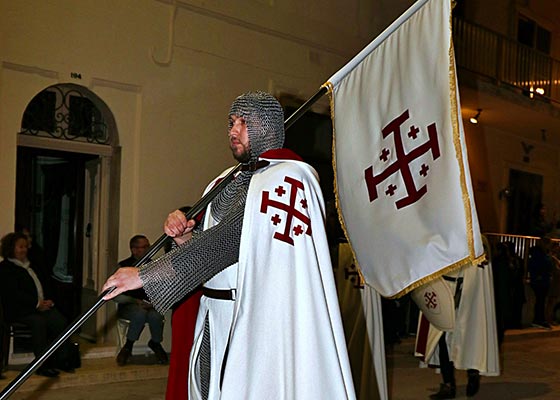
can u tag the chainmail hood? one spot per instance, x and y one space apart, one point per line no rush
265 121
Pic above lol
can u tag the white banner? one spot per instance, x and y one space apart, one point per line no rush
402 177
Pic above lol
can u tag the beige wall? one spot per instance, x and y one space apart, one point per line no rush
483 187
493 149
507 153
545 13
170 108
171 117
494 15
501 16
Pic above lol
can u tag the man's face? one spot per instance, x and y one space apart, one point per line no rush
239 138
139 248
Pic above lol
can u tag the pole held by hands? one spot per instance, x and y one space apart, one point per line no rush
199 206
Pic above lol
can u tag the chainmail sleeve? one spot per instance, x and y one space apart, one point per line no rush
174 275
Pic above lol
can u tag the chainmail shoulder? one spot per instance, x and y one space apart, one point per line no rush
234 192
174 275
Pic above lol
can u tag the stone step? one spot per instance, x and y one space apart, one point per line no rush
531 332
98 367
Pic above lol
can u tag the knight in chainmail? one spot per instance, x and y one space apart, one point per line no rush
210 251
269 320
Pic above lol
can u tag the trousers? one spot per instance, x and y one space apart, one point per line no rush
138 317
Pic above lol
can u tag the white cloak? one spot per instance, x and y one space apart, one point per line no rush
473 342
286 339
363 324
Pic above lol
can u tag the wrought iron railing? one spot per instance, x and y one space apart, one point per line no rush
488 53
63 112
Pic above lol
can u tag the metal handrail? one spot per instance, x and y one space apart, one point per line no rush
521 243
506 61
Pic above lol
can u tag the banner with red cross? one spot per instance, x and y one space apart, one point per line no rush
403 185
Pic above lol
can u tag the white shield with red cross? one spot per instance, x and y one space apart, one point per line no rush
436 301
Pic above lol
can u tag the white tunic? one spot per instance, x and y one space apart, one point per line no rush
286 339
472 344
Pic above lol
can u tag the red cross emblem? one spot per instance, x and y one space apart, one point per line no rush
402 161
296 221
431 299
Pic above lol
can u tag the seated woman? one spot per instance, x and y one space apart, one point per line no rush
21 293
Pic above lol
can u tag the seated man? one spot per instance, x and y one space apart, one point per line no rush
135 307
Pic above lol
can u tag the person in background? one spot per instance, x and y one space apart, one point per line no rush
135 307
540 226
502 300
553 300
23 300
516 287
471 344
539 268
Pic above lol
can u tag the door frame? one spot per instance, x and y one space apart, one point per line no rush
107 213
109 196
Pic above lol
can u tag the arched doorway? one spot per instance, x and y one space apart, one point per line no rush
66 160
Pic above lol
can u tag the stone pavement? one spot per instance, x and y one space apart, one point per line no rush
530 363
530 370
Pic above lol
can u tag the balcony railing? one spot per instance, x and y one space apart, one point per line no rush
521 244
504 60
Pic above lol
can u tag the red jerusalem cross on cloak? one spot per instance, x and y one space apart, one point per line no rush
402 162
302 223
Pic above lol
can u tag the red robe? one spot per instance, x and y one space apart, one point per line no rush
183 321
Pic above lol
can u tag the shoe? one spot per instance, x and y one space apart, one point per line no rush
473 383
48 372
122 357
446 391
161 355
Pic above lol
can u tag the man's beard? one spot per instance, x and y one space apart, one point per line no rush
243 157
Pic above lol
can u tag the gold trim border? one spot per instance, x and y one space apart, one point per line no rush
471 258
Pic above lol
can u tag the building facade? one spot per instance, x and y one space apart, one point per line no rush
113 113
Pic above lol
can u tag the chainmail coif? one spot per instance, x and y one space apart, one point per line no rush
171 277
265 127
265 121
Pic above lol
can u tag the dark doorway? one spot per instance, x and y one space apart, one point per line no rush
524 201
311 137
50 203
